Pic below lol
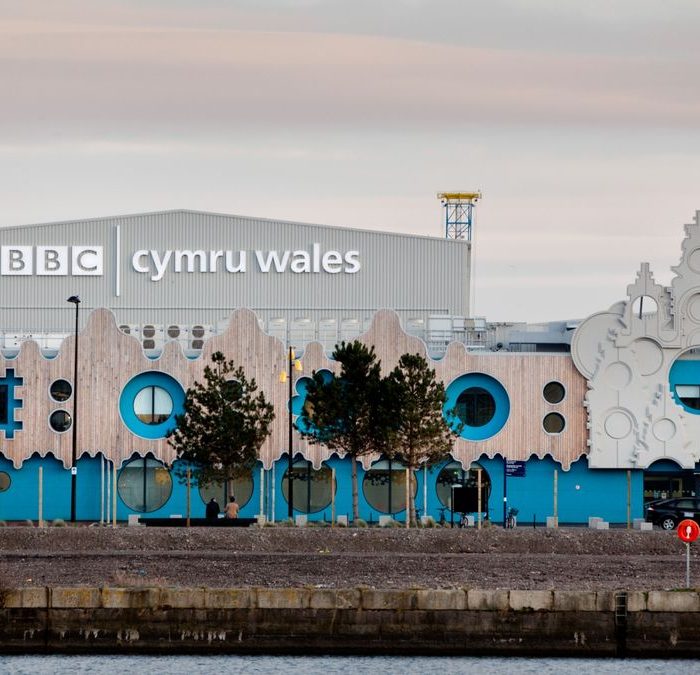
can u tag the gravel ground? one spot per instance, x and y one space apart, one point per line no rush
525 558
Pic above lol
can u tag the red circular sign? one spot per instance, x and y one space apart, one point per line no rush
688 530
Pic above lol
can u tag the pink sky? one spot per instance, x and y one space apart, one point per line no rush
578 123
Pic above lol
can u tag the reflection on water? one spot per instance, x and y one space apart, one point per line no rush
330 665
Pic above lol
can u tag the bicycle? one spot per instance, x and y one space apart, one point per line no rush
511 518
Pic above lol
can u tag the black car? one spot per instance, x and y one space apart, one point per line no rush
669 512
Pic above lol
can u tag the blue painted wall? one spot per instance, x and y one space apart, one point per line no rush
581 492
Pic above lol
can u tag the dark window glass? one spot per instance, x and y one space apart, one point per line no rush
384 487
3 404
553 392
144 485
475 407
312 487
60 390
60 420
4 481
553 423
685 504
453 474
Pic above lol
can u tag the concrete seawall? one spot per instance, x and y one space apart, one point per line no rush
354 620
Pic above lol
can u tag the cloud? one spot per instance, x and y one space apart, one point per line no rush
166 82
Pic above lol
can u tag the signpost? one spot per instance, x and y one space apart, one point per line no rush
515 469
688 530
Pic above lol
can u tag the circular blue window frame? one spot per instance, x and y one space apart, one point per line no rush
684 372
493 387
153 378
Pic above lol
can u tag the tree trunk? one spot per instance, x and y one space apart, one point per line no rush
355 505
412 499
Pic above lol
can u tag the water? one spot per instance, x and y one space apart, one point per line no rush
332 665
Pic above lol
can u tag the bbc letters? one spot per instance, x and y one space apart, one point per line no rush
88 261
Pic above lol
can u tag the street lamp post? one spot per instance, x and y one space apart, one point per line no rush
292 364
74 299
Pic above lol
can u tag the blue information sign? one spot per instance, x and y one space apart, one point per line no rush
515 468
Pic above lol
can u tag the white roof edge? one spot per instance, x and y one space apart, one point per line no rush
230 215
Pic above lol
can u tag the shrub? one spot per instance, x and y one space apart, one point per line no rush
358 522
3 523
28 523
59 522
429 522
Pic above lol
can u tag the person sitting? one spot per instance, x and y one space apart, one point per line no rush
232 508
213 509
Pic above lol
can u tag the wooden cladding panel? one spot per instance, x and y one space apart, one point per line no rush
108 359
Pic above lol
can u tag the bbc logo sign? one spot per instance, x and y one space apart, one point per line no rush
48 261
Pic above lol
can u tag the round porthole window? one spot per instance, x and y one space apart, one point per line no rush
153 405
60 390
241 488
477 406
144 485
554 392
149 404
4 481
60 421
553 423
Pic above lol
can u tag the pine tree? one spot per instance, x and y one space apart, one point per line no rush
345 412
224 424
419 433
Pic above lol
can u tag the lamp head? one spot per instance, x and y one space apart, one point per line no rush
74 299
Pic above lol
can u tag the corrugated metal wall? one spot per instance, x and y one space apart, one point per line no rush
416 276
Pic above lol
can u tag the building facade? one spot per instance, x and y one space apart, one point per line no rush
593 432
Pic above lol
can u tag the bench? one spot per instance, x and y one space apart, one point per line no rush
198 522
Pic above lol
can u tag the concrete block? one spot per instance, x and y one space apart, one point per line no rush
229 598
26 598
575 601
530 600
646 527
328 598
301 521
605 601
636 601
342 520
82 596
441 599
123 598
487 600
282 598
133 520
175 515
673 601
182 598
552 522
388 599
261 519
601 525
470 521
636 522
592 520
384 520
